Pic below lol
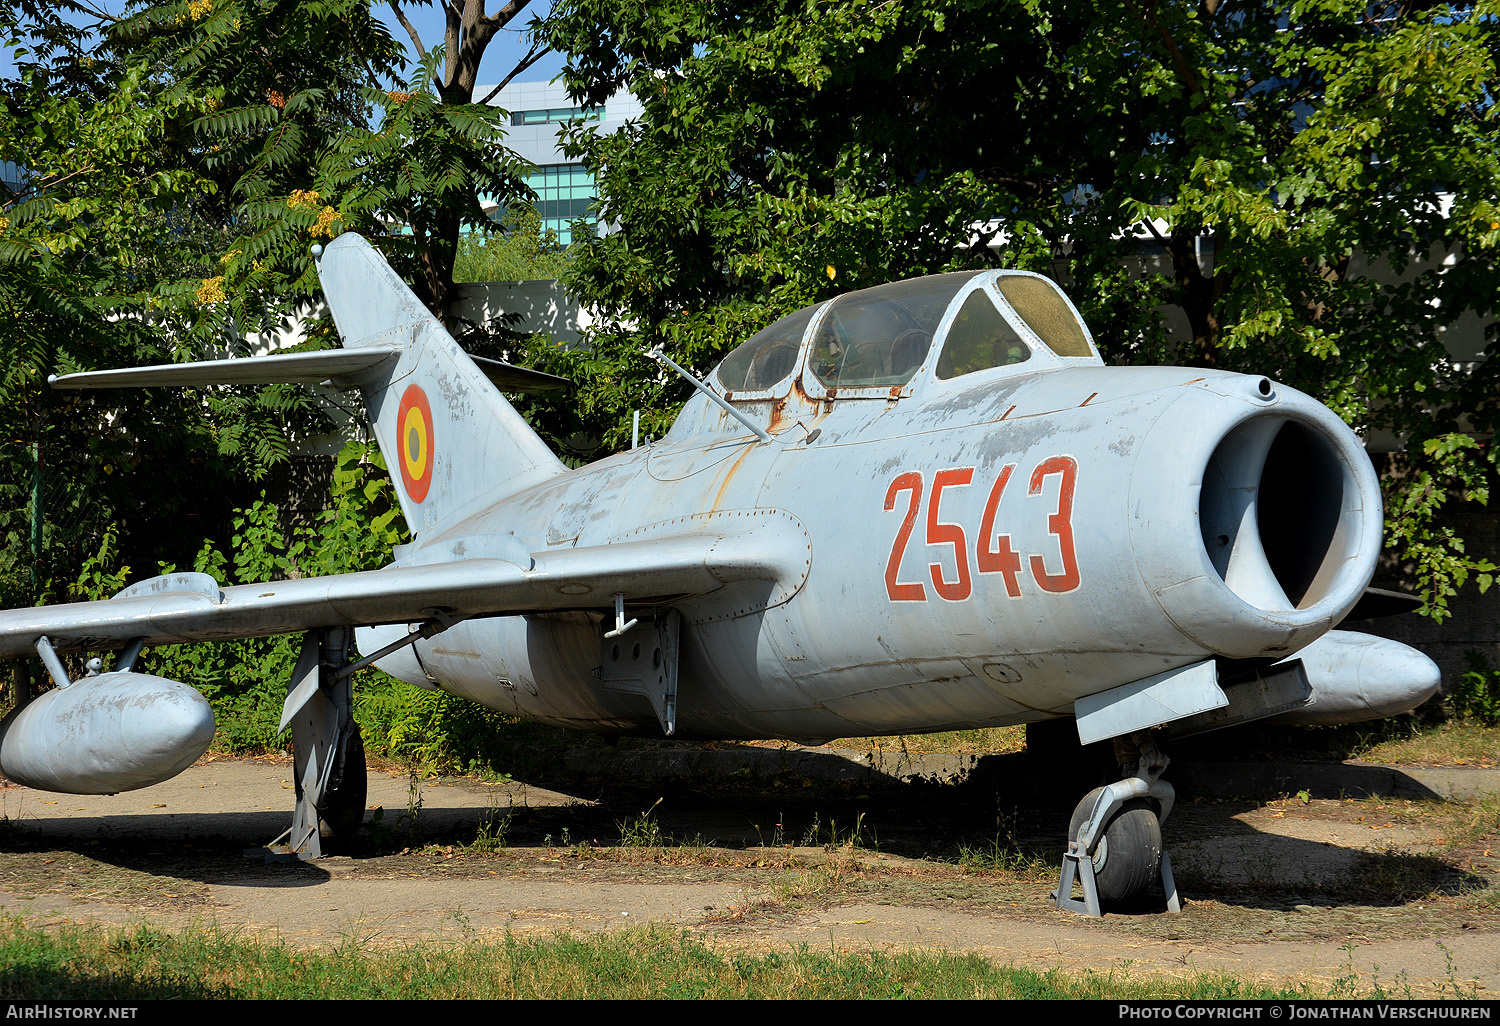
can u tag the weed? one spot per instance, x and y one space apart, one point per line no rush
413 820
1348 984
1451 980
643 831
794 886
381 836
810 835
14 829
855 838
778 833
490 838
1002 854
1477 694
461 920
1345 985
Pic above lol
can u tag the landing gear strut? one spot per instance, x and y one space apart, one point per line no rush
1114 838
327 751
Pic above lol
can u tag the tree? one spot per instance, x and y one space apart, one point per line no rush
522 251
173 168
792 150
179 163
99 256
310 123
468 32
113 253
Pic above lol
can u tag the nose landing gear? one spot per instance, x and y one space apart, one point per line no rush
1114 838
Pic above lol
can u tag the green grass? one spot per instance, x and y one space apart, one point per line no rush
981 741
1452 743
1420 739
75 963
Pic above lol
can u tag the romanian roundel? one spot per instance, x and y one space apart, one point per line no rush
414 431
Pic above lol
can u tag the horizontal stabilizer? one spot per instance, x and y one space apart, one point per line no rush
291 368
300 368
507 377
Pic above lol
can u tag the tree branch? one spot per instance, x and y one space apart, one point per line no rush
1173 51
1156 234
526 62
411 30
452 45
84 7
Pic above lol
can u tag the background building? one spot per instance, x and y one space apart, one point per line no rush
538 112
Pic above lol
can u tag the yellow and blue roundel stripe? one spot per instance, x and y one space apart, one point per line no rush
414 423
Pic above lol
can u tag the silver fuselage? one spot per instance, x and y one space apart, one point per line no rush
1125 540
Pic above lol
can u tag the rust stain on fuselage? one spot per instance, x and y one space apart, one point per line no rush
729 475
790 407
785 413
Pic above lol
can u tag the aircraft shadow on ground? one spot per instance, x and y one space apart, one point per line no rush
1008 809
821 800
207 847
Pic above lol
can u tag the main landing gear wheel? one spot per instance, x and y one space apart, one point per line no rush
1127 859
1114 836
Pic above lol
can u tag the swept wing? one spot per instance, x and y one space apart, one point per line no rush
192 607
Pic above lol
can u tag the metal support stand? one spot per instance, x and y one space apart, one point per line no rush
327 752
1078 860
1078 865
51 661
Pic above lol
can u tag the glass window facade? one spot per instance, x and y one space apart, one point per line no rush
564 193
555 115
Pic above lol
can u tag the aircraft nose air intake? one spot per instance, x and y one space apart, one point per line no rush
1288 516
1272 514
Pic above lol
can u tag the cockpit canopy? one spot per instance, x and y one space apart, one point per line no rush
875 341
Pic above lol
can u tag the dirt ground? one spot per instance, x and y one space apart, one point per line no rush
1392 892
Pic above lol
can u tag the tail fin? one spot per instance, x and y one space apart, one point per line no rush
453 443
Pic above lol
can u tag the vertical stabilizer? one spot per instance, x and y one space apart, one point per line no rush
451 440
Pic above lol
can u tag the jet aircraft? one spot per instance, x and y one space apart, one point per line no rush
923 506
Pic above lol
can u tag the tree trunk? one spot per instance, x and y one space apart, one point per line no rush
467 34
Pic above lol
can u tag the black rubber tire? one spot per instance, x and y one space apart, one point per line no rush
342 812
1127 862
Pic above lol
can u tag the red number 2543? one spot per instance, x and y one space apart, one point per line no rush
995 554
